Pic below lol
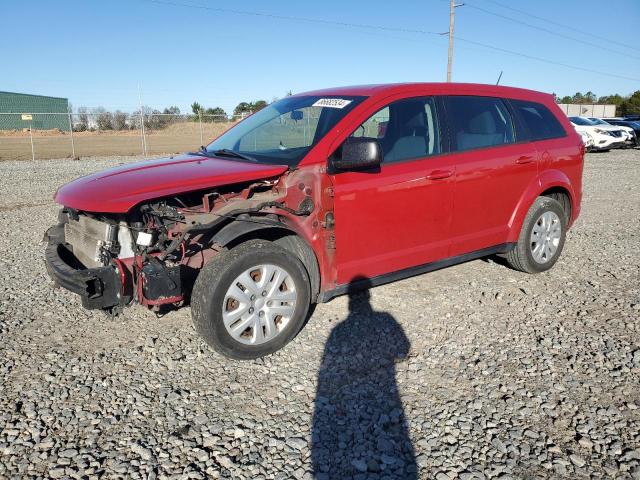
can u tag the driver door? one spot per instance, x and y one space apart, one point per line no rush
399 215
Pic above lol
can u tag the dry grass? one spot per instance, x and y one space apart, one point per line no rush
176 138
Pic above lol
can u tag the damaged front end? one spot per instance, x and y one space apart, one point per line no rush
85 254
152 254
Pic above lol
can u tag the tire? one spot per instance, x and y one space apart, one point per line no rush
529 256
214 304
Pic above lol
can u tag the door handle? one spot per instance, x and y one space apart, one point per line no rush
524 159
439 174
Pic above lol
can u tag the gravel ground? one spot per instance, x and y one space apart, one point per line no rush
475 371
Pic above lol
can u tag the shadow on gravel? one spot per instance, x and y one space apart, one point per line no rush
359 427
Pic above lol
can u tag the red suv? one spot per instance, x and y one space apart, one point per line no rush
319 194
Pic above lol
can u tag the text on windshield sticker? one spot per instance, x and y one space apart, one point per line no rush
332 103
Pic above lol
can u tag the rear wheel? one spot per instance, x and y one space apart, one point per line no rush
251 301
542 237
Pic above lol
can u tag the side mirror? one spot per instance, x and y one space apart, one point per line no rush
297 115
359 153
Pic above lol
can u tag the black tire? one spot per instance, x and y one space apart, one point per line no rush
217 276
521 258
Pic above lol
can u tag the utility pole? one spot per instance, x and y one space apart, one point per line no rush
452 13
144 140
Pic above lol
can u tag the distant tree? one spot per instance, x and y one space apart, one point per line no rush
614 99
258 105
584 98
578 98
631 105
153 120
103 119
83 120
249 107
196 108
169 116
119 120
216 114
566 99
634 103
148 114
172 110
243 108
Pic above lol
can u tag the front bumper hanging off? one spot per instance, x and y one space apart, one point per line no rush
99 288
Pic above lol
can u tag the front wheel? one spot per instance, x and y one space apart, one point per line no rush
251 300
542 237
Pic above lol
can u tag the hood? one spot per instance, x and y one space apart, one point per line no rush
118 189
591 129
609 128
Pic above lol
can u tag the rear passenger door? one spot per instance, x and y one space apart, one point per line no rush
493 168
542 127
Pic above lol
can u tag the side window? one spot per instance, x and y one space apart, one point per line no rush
375 126
478 122
406 129
541 123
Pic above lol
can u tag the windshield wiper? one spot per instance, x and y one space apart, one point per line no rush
225 152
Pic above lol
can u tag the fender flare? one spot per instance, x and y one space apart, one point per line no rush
291 241
545 181
241 227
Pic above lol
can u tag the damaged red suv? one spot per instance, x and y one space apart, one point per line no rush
319 194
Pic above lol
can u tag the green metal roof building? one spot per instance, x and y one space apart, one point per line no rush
38 106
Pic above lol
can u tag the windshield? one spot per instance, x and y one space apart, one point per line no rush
283 132
597 121
581 121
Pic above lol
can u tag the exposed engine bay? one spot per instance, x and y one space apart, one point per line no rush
156 250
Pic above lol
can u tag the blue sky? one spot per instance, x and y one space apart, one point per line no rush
96 52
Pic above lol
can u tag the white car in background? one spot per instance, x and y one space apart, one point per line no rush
587 140
604 138
628 131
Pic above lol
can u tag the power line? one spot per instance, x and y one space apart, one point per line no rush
540 59
294 18
383 28
551 32
590 34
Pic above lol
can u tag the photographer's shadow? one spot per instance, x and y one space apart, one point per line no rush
359 426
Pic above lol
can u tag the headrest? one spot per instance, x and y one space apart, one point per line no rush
482 123
412 114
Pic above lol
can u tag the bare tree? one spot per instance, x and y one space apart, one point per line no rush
83 120
103 119
119 120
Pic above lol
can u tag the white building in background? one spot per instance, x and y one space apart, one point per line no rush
587 110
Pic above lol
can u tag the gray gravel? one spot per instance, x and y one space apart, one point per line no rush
476 371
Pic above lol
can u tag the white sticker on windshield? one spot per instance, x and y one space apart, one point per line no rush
332 103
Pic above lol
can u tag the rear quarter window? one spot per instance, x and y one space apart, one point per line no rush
540 123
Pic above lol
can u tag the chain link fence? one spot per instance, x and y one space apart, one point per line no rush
73 135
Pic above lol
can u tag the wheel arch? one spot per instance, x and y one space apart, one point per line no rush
240 231
551 183
563 196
